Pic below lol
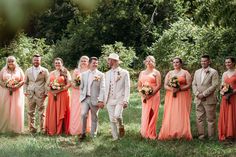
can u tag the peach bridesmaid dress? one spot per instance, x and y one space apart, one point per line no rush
176 118
75 116
149 109
58 111
12 106
227 117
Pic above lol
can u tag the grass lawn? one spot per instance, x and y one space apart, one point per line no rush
131 145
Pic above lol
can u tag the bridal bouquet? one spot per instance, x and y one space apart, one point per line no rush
174 83
226 89
11 83
146 90
77 80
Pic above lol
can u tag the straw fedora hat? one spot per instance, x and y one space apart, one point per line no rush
114 56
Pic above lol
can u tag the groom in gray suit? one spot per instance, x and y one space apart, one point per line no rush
92 89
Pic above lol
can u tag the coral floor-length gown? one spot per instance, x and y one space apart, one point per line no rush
75 116
227 117
176 118
58 110
149 109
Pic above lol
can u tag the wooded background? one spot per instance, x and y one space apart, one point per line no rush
133 28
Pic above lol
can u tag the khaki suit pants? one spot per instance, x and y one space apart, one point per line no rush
206 112
32 104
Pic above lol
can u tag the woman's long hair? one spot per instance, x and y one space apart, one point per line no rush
63 70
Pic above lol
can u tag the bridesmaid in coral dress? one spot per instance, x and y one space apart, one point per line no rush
177 107
227 118
75 116
58 108
150 103
11 97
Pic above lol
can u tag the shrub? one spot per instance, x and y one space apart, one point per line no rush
23 48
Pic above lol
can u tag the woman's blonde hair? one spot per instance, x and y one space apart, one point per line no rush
11 58
82 57
152 59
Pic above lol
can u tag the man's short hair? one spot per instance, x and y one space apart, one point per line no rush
93 58
36 55
206 56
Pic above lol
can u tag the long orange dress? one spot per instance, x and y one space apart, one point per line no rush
75 116
227 118
58 110
12 106
149 109
176 118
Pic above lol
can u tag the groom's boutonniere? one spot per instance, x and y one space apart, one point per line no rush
118 76
97 78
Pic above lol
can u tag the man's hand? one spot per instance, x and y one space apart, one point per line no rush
26 94
125 104
201 96
100 104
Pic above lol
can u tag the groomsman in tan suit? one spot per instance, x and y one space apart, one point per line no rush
116 94
92 89
35 91
204 86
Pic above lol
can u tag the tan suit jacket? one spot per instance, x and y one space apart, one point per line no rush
122 86
36 86
207 87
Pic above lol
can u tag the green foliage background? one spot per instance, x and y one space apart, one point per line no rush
163 28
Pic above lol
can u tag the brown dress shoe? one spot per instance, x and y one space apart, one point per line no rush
121 132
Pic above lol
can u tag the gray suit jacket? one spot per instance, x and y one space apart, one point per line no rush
36 86
208 86
97 87
122 86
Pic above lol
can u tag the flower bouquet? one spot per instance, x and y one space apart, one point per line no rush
11 83
77 80
146 90
174 83
226 89
55 85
